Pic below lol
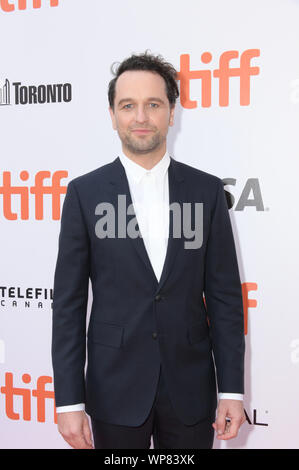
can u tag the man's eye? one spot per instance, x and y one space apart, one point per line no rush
154 105
127 106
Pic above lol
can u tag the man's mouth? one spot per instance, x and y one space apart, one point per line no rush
142 131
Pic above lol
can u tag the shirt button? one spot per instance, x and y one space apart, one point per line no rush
154 335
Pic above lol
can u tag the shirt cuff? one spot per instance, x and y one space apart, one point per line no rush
65 409
230 396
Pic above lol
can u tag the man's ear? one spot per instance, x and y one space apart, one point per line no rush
112 118
171 117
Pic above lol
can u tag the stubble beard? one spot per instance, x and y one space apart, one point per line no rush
142 146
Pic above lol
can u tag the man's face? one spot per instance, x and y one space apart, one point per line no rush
142 112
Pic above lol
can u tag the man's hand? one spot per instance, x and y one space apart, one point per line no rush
234 411
75 430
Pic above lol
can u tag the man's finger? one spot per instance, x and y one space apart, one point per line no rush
220 423
231 430
75 440
79 443
87 433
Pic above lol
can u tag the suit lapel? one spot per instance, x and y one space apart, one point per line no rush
176 194
177 190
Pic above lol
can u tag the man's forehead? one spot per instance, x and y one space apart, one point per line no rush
140 80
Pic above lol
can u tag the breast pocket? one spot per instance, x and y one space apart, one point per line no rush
107 334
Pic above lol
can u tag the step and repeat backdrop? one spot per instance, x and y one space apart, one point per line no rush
237 117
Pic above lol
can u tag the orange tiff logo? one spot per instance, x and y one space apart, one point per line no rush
38 190
7 5
223 73
247 302
40 393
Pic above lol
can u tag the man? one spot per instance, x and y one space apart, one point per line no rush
162 309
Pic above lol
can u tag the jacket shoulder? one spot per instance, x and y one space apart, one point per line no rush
196 175
94 176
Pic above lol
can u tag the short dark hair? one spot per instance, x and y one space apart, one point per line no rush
151 63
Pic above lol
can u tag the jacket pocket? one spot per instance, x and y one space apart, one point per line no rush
106 334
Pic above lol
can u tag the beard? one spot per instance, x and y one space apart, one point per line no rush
141 145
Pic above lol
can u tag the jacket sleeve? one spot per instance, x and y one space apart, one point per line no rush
70 296
223 297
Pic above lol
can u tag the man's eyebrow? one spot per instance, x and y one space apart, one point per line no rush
152 98
124 100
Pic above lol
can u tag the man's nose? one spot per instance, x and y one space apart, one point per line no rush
141 114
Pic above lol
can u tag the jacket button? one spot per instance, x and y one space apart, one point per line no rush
154 335
158 297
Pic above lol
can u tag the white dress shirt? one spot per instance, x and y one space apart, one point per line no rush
150 196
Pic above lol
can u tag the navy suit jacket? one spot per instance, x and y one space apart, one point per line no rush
190 321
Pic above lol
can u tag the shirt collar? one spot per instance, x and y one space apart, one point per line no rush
136 171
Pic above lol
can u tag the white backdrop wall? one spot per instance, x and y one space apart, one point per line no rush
250 142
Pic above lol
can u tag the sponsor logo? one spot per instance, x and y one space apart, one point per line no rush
256 418
11 5
31 396
224 73
13 296
38 192
251 195
248 303
19 94
5 93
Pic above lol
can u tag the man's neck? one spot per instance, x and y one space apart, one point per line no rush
147 160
